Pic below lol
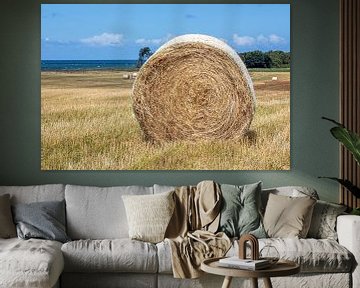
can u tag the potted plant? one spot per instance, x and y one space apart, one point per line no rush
351 141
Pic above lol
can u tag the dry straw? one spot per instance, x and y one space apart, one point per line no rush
193 87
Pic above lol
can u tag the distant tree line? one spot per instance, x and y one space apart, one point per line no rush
253 59
270 59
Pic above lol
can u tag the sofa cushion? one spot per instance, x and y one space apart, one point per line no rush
323 222
291 191
313 255
287 216
163 188
30 263
240 210
43 220
117 255
7 226
36 193
98 213
164 257
149 215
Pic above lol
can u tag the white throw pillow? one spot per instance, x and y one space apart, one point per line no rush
149 215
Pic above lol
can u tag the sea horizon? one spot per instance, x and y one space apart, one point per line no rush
78 65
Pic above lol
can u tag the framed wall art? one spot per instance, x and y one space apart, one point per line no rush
165 86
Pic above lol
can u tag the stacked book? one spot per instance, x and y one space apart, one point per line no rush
248 264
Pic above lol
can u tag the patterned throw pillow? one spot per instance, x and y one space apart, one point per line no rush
288 217
240 213
323 223
149 215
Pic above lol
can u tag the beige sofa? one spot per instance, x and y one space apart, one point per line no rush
101 254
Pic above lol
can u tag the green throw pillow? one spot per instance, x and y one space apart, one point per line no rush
240 213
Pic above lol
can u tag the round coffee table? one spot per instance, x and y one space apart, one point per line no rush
281 268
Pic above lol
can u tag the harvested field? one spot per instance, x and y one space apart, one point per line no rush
87 123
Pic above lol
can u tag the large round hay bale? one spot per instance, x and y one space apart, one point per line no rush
194 87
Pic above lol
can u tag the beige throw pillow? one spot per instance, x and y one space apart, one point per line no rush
7 226
149 215
288 217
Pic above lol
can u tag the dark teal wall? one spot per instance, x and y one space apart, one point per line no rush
314 93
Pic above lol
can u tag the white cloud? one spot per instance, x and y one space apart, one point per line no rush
50 41
154 41
260 39
275 39
243 40
143 41
105 39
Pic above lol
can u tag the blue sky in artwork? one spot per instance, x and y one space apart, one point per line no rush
118 31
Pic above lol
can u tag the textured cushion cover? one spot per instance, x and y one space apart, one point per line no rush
32 263
149 215
240 213
98 213
117 255
323 222
44 220
287 216
7 227
313 255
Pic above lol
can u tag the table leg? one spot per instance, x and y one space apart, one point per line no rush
227 282
267 283
254 282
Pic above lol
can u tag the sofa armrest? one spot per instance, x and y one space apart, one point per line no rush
348 230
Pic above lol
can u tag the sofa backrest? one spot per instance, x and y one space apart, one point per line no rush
36 193
293 191
163 188
98 212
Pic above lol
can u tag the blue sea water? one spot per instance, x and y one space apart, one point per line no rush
77 65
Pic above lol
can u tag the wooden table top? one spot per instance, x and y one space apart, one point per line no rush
281 268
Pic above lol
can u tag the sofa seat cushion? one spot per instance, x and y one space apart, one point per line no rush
30 263
115 255
313 255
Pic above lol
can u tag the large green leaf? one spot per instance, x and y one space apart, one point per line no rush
348 185
348 138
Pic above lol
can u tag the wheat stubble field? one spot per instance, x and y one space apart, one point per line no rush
87 123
